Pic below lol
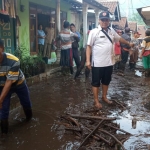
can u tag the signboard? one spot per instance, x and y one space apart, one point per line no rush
80 1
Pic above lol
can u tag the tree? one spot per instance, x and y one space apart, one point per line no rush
137 18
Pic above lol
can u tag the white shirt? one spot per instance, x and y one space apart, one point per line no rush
102 48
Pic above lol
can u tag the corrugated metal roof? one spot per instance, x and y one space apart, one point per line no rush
96 4
92 3
112 5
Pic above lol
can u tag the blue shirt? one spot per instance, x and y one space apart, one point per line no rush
40 40
78 35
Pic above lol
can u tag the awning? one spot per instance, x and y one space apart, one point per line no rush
145 14
77 4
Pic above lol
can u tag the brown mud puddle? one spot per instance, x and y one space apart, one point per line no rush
59 95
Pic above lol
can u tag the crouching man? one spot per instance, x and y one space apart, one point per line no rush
12 80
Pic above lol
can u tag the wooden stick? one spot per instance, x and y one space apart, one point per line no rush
92 117
118 129
99 136
90 134
119 104
73 129
113 138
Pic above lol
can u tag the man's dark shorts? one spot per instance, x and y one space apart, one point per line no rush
101 75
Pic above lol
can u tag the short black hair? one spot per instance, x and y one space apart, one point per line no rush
1 43
127 30
39 25
66 24
147 32
72 25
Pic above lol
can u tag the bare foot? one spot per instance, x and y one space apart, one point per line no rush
98 105
106 100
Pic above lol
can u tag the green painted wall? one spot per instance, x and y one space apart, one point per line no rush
24 36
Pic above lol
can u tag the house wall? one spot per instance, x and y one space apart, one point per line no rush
7 34
76 19
24 35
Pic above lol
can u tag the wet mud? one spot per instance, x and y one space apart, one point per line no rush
61 94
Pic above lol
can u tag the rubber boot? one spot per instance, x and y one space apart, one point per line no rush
134 66
71 69
146 73
4 126
131 66
28 113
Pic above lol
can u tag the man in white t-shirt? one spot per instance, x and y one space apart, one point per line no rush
100 46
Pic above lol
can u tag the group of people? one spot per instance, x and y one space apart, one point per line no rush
102 43
69 42
99 59
45 40
122 51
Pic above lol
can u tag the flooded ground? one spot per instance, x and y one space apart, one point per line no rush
60 94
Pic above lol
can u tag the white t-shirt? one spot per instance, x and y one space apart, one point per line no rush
102 48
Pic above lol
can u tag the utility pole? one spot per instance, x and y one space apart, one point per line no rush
127 10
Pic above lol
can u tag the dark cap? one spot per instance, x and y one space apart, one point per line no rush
1 43
127 29
136 32
104 15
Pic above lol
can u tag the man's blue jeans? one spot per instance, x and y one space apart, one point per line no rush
23 94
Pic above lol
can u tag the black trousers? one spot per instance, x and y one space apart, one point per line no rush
76 57
124 59
101 75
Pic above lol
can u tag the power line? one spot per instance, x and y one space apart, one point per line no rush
122 3
143 3
123 11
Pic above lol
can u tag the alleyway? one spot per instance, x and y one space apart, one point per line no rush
62 94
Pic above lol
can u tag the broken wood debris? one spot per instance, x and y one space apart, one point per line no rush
102 130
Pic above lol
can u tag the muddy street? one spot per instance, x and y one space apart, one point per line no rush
61 94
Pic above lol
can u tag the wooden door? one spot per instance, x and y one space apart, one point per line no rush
33 31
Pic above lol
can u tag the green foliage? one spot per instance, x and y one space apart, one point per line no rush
30 65
137 18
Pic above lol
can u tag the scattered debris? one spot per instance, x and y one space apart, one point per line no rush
94 131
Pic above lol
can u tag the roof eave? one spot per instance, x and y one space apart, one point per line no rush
96 4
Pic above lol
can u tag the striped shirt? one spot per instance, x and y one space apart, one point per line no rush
10 70
66 38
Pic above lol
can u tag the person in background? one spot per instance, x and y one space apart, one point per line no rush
125 51
12 80
75 45
145 53
41 39
100 47
134 55
50 33
117 50
66 38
